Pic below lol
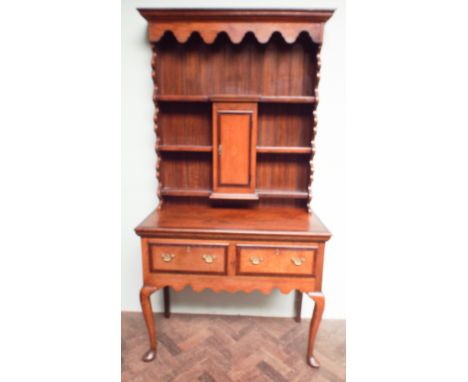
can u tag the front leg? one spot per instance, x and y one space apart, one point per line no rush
319 300
145 294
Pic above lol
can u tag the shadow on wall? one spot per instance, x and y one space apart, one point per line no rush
209 302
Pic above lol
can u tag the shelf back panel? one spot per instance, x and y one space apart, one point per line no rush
275 68
285 125
184 123
276 172
190 171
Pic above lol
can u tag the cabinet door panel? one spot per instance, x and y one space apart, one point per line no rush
234 148
234 132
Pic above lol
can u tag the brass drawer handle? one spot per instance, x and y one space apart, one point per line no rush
209 258
256 260
297 260
167 257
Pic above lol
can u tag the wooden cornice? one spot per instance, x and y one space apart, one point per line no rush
208 23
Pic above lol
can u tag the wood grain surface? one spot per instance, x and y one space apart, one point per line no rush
292 223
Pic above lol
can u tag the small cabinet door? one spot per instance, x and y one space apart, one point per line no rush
234 150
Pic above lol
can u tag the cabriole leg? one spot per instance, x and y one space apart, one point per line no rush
145 301
319 300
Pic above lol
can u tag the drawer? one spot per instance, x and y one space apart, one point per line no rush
187 258
287 260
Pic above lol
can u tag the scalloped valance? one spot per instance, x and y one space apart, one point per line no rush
235 23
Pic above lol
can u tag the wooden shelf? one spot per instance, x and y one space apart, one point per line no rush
182 98
286 194
185 148
185 192
283 150
235 98
231 196
287 99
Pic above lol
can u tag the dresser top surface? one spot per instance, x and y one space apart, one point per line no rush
281 221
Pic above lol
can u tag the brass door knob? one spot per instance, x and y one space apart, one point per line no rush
256 260
297 260
209 258
167 257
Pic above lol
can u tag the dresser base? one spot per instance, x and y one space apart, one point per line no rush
233 250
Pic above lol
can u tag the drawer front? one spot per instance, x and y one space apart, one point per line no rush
188 258
287 260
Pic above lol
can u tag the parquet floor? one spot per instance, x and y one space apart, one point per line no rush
226 348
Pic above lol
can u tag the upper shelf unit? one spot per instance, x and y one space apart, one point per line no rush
236 93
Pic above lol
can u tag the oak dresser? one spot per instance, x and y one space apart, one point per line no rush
236 93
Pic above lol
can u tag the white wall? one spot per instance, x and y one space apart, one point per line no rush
138 160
